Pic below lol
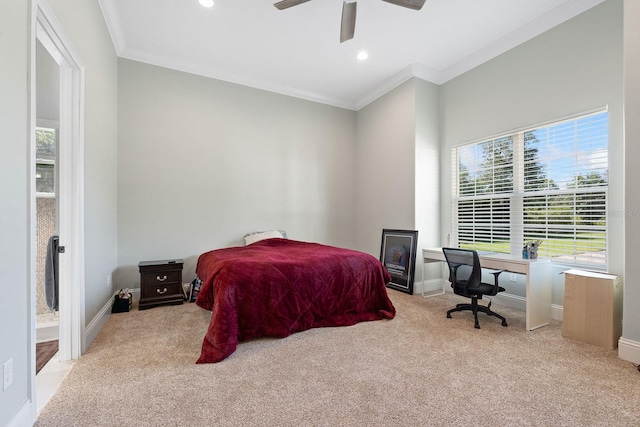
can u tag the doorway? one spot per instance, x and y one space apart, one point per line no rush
57 115
47 187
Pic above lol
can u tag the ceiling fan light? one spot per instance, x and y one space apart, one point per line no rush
206 3
362 55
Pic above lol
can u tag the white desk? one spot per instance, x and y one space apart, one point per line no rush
537 272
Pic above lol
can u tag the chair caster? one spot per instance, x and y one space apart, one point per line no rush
477 326
448 315
504 323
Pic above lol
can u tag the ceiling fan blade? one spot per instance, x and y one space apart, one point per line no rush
285 4
411 4
348 24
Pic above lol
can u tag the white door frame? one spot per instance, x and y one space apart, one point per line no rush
46 29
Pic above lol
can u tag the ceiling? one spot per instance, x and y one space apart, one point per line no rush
297 51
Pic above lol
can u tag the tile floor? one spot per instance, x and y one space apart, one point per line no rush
48 380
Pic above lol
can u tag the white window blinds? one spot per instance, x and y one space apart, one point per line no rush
549 183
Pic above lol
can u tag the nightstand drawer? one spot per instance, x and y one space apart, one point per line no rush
160 290
157 278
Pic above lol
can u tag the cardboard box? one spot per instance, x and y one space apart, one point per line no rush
592 311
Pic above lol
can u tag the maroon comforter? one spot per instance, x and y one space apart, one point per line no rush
276 287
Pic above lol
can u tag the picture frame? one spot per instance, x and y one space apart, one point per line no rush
398 256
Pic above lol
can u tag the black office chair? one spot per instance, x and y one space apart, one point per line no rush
465 275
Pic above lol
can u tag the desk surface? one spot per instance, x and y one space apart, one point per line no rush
436 253
507 262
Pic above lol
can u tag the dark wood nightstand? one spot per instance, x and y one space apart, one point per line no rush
160 283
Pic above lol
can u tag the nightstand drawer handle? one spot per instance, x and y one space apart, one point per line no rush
161 279
164 291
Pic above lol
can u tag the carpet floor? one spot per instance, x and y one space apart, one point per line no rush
418 369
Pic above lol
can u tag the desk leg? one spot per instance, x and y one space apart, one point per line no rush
437 292
538 295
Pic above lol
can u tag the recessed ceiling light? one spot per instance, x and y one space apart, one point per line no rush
363 55
206 3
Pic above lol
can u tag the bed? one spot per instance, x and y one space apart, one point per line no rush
276 287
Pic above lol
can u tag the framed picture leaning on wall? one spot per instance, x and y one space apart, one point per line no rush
398 255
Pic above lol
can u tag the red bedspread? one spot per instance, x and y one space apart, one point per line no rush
276 287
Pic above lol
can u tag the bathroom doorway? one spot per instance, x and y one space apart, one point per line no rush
66 172
47 187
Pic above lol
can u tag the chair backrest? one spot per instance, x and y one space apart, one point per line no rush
464 269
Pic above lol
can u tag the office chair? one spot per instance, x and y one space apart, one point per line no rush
465 275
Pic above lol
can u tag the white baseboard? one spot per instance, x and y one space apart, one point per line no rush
629 350
96 324
48 331
25 417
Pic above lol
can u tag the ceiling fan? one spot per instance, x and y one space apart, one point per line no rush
348 24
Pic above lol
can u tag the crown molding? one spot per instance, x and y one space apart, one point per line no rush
112 19
414 70
562 13
566 11
557 16
173 64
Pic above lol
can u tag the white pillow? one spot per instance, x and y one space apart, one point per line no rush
261 235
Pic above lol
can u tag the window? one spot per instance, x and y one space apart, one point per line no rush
548 183
45 162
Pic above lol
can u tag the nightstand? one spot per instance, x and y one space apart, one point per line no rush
160 283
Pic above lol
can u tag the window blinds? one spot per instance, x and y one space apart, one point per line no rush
548 183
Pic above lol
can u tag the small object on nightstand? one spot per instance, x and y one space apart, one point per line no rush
160 283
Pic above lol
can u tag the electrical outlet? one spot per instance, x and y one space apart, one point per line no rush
512 277
7 374
109 281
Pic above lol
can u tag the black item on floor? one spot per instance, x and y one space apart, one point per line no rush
122 302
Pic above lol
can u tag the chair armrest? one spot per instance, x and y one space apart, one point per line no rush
495 273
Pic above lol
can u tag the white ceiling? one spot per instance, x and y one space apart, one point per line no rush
297 51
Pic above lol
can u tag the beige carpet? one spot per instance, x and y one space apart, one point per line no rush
419 369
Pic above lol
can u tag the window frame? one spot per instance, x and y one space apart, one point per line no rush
49 126
518 196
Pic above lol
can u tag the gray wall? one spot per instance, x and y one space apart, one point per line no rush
631 325
385 166
84 25
201 162
397 167
14 225
427 159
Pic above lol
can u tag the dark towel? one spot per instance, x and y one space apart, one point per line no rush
51 274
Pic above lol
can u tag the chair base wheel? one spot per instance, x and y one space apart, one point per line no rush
475 308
